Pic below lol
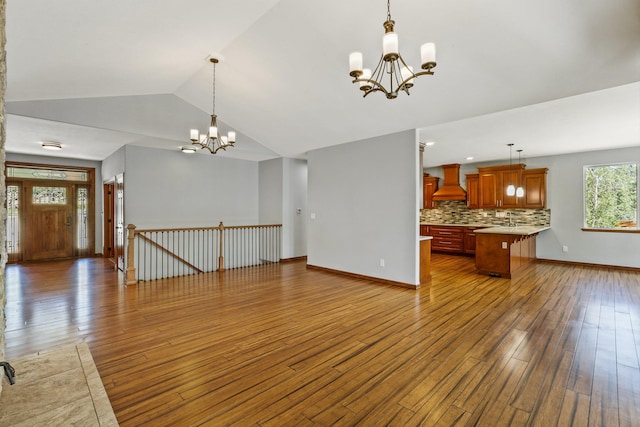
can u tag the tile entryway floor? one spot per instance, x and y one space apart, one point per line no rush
58 387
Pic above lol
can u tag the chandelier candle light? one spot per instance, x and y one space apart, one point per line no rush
212 141
391 65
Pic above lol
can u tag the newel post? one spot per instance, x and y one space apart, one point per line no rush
131 269
220 257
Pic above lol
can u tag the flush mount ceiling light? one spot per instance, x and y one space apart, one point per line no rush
54 146
212 141
391 68
188 149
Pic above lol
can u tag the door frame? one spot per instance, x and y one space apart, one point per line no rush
89 183
109 225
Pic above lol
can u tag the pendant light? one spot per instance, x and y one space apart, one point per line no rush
511 189
391 68
212 140
519 190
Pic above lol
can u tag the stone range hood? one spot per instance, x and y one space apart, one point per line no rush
451 189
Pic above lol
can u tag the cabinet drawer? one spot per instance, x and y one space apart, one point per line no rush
449 233
447 244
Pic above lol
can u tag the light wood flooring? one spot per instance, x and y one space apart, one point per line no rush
280 345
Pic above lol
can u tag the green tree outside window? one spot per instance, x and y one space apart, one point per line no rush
611 195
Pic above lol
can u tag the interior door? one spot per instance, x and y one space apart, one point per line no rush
49 221
119 219
109 220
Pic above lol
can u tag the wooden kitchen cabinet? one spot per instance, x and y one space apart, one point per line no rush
459 239
429 186
504 255
534 183
492 186
447 238
473 190
470 240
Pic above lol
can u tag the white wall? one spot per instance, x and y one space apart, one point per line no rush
26 158
364 195
565 199
172 189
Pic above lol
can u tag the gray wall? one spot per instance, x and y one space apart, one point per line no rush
565 198
364 195
271 191
171 189
283 190
113 165
294 208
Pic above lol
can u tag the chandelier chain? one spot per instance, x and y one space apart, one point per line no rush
388 10
213 102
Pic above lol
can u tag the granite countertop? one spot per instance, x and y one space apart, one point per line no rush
456 224
521 230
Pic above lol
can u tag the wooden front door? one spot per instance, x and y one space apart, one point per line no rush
50 221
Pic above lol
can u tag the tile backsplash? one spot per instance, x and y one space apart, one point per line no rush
456 212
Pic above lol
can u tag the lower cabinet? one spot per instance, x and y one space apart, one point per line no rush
457 239
470 240
449 239
504 255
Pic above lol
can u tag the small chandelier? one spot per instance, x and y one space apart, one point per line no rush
212 141
391 66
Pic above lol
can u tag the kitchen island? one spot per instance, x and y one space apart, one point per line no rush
505 251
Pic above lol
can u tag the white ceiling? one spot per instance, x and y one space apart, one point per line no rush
549 76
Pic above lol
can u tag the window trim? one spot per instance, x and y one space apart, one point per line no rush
584 200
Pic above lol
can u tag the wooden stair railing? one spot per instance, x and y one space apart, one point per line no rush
246 245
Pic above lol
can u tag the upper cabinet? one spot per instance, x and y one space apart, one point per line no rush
473 196
534 183
493 186
488 188
429 186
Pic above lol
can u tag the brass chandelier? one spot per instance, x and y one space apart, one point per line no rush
212 140
391 66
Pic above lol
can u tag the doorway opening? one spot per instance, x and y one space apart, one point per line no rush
50 212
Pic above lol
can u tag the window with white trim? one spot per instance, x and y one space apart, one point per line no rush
611 196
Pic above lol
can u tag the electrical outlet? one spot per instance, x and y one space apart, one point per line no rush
381 262
504 245
313 215
565 248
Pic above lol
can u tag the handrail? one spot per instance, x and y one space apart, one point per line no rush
170 253
194 249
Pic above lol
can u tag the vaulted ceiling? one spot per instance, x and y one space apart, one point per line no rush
549 76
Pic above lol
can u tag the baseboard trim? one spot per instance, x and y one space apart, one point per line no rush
297 258
588 264
363 277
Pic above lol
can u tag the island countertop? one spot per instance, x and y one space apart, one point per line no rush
521 230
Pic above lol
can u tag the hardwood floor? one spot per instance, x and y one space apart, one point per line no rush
281 345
